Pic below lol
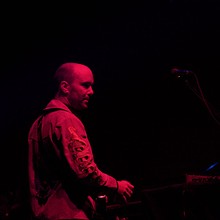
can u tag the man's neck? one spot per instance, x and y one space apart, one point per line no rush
66 102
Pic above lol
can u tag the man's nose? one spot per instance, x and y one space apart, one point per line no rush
91 91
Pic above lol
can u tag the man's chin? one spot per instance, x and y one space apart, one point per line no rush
84 106
81 107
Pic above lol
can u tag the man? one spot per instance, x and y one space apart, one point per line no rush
63 176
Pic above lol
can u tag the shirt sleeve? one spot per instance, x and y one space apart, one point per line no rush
79 156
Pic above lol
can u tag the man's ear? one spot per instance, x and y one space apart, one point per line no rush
64 87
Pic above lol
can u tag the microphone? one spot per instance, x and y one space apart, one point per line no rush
181 72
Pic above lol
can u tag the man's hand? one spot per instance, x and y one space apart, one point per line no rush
125 189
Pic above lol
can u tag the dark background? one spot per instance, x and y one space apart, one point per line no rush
144 124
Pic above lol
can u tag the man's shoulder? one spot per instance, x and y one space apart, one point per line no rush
54 105
62 116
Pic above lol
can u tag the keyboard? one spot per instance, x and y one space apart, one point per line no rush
202 179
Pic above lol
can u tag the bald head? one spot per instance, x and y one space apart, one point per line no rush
74 83
68 72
